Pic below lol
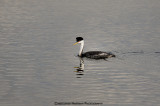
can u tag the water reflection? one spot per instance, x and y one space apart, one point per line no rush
79 70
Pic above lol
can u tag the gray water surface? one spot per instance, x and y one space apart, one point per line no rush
37 56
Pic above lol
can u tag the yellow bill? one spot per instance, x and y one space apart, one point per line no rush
75 43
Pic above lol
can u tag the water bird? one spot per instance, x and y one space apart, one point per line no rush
92 54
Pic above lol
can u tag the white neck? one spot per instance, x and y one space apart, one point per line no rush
81 48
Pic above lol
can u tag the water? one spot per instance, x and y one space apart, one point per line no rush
37 56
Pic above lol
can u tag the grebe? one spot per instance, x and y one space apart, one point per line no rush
92 54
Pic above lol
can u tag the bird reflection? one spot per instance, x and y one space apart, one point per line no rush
80 69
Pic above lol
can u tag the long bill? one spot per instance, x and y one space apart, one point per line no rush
75 43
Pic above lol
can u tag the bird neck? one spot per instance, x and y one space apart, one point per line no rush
81 48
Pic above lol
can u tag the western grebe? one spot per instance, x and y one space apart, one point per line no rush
92 54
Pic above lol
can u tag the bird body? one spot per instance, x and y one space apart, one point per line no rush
97 54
